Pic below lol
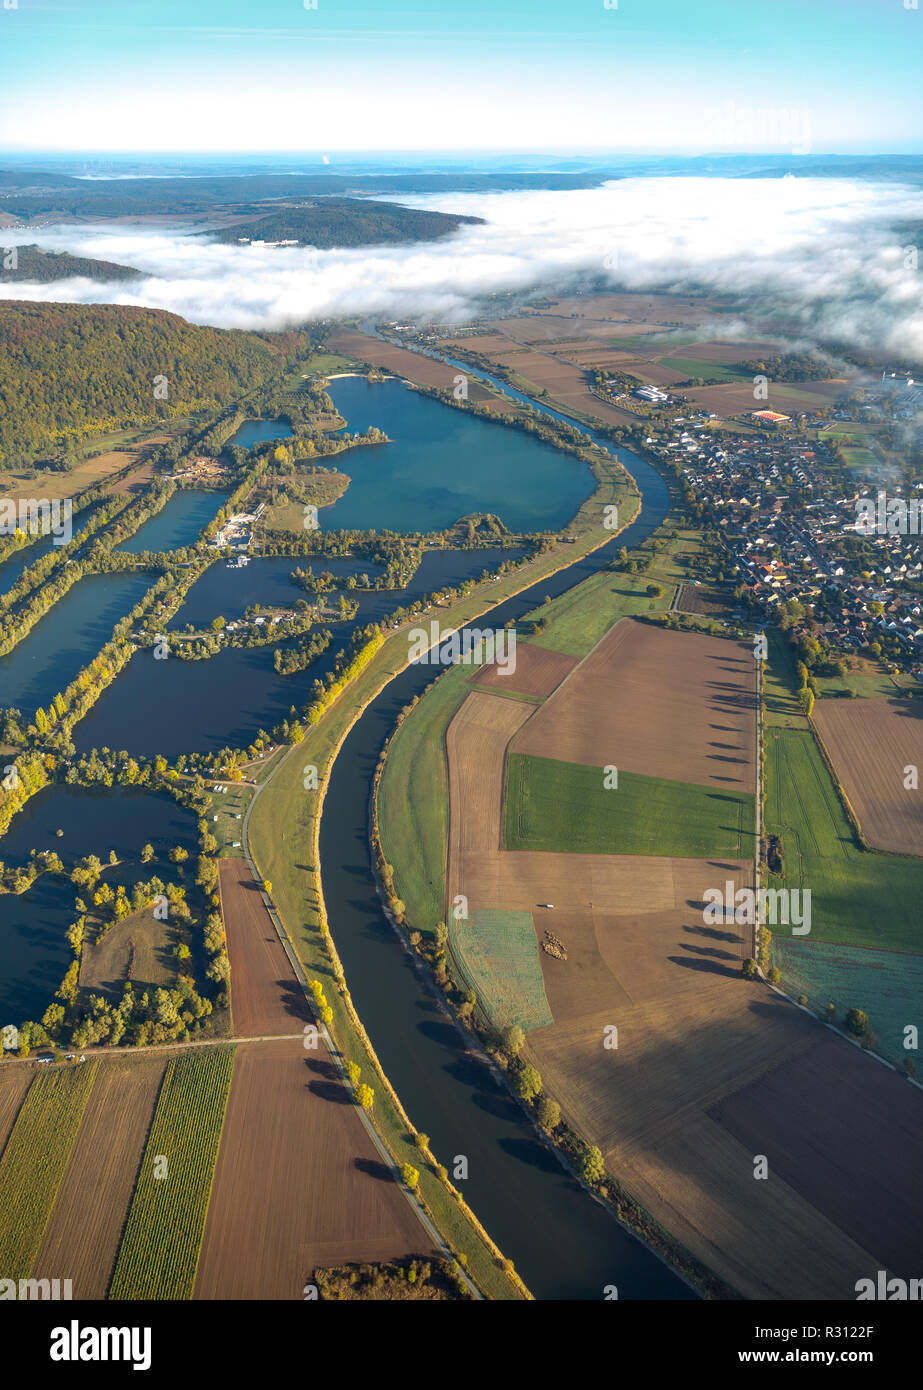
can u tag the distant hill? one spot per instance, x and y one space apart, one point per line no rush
72 370
36 265
347 222
29 195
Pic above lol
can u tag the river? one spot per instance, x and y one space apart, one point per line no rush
562 1241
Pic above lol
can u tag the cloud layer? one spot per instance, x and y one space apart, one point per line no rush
820 255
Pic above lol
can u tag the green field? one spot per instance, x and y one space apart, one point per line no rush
565 807
414 828
159 1252
497 954
706 370
859 458
888 985
781 706
34 1162
859 898
579 618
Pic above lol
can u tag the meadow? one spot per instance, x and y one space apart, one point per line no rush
568 808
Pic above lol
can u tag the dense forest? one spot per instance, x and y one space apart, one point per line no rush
31 263
69 371
347 222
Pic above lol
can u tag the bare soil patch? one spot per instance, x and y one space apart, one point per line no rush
266 998
871 742
538 672
667 704
298 1183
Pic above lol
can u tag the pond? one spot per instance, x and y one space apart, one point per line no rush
258 431
33 948
173 706
178 523
62 642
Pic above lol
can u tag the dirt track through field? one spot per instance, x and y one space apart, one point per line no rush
871 743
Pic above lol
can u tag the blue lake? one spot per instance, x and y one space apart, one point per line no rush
258 431
46 661
34 952
443 464
178 523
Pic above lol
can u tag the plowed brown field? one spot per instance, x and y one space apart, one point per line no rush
538 672
266 998
871 742
667 704
298 1183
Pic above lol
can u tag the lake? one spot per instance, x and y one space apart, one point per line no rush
258 431
178 523
33 948
173 706
68 636
443 464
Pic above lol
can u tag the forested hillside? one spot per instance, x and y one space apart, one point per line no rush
72 370
36 265
348 222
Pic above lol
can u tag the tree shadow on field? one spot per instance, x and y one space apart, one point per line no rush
293 1000
709 967
374 1168
334 1091
713 934
712 951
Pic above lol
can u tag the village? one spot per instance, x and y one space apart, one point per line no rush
791 529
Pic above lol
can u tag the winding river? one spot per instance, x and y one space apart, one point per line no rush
563 1242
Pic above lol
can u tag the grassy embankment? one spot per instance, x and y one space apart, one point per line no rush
414 831
292 867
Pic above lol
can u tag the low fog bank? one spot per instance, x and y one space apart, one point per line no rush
826 257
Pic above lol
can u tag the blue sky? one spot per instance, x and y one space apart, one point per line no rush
675 75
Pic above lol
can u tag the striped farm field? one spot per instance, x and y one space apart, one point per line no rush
159 1252
35 1159
572 808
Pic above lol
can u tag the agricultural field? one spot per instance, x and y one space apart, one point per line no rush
266 998
299 1183
159 1251
497 955
553 805
886 985
871 743
675 705
638 955
538 672
83 1234
35 1159
859 898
